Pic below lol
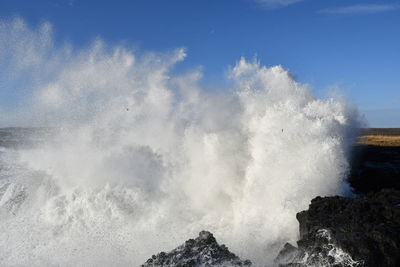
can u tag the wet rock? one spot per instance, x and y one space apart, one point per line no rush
202 251
338 231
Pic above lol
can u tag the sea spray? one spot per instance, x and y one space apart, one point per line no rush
140 159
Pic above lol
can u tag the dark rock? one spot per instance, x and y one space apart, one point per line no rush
339 231
202 251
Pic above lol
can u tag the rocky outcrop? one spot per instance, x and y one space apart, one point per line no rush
338 231
202 251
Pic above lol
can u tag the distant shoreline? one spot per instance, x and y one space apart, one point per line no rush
380 131
379 137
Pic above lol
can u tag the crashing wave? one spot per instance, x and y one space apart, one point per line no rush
143 153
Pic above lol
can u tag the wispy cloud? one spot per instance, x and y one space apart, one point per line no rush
360 9
276 3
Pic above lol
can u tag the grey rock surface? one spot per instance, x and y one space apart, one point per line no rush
199 252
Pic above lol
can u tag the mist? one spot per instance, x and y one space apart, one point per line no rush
143 157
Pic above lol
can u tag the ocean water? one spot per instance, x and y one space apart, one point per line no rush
135 158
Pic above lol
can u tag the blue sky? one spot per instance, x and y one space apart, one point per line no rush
353 45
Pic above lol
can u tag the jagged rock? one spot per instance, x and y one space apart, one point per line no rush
202 251
339 231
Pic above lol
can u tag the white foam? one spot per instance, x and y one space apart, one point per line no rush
144 159
335 255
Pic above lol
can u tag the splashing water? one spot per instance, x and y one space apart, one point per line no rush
142 159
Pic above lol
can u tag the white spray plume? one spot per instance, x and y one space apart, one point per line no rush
143 160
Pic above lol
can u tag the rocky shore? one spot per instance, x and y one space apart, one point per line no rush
334 231
202 251
339 231
360 231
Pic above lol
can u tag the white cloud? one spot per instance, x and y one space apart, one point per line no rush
360 9
276 3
